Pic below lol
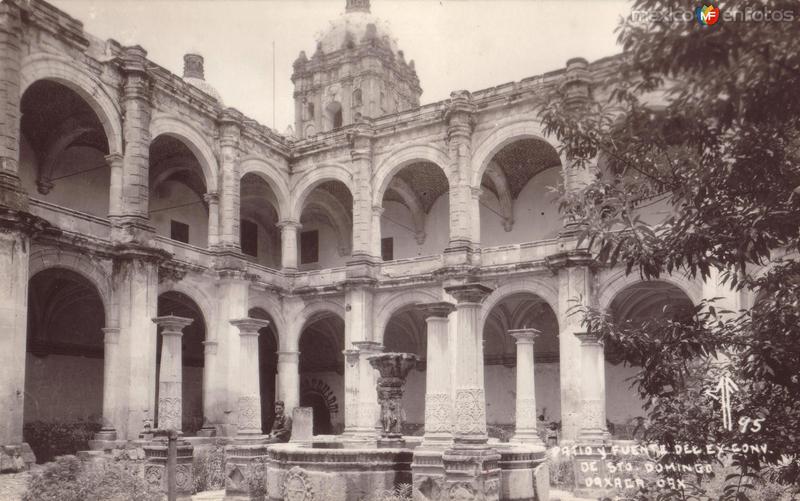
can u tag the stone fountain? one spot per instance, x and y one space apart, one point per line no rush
393 368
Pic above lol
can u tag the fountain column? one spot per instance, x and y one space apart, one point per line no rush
249 404
593 403
438 399
170 376
368 408
471 467
525 429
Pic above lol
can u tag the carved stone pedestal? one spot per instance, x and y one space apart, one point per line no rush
155 469
245 465
471 474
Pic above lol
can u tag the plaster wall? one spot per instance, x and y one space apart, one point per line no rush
175 201
63 388
397 223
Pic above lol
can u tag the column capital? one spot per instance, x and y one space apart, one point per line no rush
110 335
289 356
368 347
289 224
114 159
589 339
210 347
469 293
525 336
440 309
350 356
212 197
578 257
378 210
172 325
249 326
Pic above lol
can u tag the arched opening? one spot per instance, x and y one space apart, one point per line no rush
192 356
267 366
64 363
260 235
632 306
416 216
327 218
519 311
334 115
322 371
357 98
518 201
177 186
406 333
62 149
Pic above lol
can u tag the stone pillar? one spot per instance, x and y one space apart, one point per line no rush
471 467
438 399
289 233
525 424
377 212
593 429
460 123
470 398
212 199
11 194
112 370
135 281
249 407
575 279
209 369
116 163
363 248
232 291
230 123
368 408
170 375
351 382
15 234
136 113
289 379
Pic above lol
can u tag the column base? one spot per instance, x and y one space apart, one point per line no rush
472 473
437 441
528 438
155 469
106 434
595 437
16 458
427 473
246 459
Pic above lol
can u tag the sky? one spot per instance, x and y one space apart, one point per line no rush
456 44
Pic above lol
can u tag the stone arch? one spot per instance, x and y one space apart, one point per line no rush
501 137
200 297
272 175
336 215
404 157
45 259
619 280
543 288
271 307
397 302
59 69
192 139
314 177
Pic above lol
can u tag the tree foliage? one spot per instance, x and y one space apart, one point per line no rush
706 118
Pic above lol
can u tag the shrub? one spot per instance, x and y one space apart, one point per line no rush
562 474
49 439
69 479
208 470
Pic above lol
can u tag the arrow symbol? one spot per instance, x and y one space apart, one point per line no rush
722 393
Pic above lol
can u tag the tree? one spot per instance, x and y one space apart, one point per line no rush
707 117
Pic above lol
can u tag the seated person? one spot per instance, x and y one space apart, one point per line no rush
281 427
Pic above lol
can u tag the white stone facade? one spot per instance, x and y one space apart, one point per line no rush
461 187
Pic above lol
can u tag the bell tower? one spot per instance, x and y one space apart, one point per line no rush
356 71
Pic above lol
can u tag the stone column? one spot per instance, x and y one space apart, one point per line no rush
112 371
289 379
116 164
368 408
377 212
470 397
230 123
460 122
575 279
170 376
289 233
212 199
438 401
15 231
209 369
136 113
135 281
351 382
593 429
11 194
249 407
471 466
363 248
525 424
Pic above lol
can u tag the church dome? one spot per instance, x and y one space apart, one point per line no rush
194 74
353 25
